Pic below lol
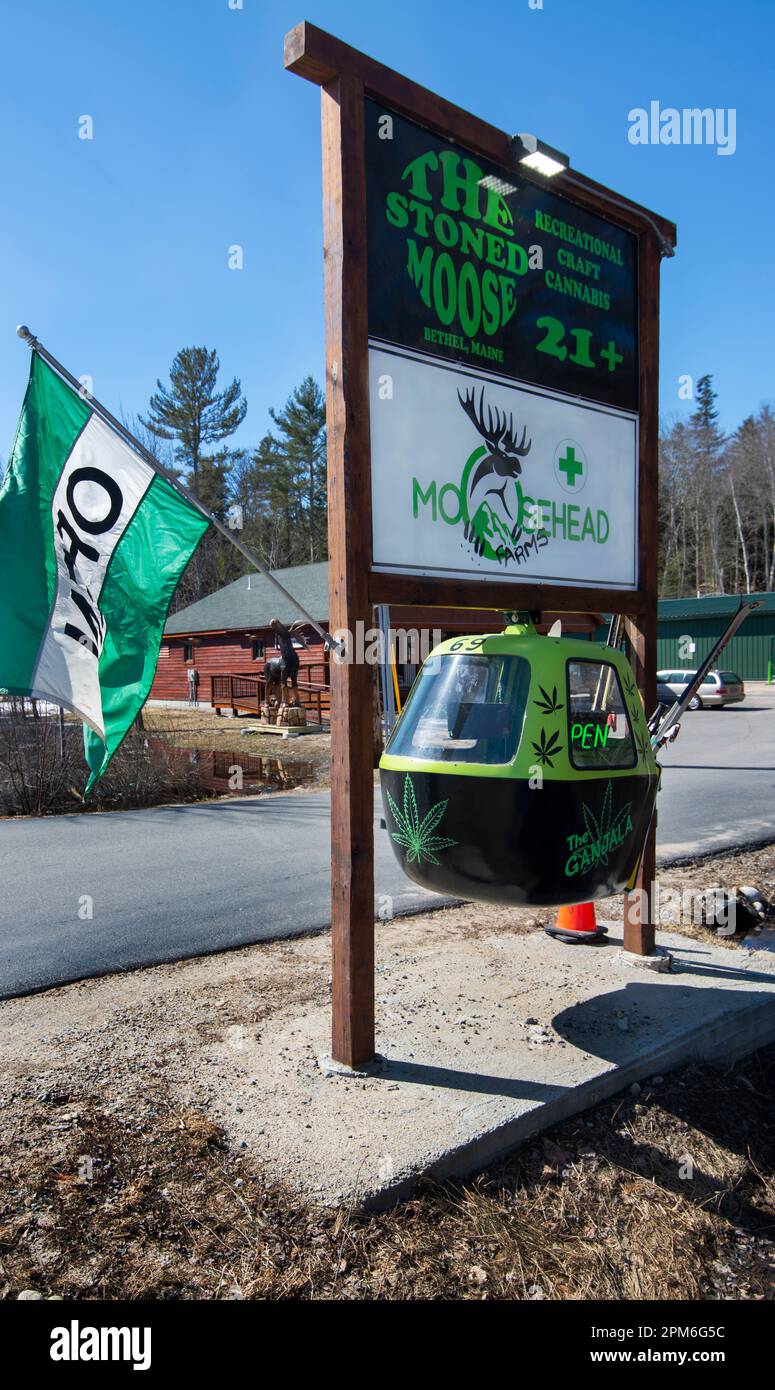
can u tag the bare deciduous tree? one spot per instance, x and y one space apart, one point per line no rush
717 503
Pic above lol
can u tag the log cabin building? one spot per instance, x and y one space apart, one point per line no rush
227 635
226 639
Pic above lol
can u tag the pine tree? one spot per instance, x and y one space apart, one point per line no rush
276 493
261 483
192 412
708 488
280 487
302 443
704 421
214 473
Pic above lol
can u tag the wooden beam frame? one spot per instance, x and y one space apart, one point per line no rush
349 504
346 77
639 930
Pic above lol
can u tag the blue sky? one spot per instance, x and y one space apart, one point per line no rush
114 250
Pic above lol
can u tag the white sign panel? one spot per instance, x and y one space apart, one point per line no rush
474 477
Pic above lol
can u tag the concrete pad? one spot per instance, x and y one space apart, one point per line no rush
484 1039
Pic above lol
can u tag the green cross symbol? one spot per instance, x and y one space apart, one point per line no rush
570 466
611 355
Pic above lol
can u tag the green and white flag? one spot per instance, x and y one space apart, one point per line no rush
92 545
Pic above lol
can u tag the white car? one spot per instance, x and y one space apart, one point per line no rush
718 689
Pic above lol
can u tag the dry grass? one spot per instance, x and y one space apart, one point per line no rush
746 866
603 1207
152 767
39 776
202 728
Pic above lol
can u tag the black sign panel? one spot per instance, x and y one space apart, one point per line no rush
474 262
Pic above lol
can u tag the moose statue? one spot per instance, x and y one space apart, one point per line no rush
279 670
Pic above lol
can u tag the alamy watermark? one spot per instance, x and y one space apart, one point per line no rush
689 125
371 646
76 1343
714 908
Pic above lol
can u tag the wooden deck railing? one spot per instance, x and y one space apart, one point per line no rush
243 692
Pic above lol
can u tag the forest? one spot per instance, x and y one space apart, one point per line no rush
716 502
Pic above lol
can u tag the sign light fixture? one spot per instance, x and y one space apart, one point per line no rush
541 158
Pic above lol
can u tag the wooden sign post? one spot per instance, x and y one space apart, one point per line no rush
451 270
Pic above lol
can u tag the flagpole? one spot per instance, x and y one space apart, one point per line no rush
34 343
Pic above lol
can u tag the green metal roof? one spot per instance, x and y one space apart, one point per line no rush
723 606
252 601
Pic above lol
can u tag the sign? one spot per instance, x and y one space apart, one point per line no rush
477 476
503 371
491 379
476 264
591 734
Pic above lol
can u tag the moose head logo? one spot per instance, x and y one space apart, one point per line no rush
491 497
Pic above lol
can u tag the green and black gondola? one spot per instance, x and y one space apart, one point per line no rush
521 770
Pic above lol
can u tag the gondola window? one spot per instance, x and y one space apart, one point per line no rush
464 709
599 731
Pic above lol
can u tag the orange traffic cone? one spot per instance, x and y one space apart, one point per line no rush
577 923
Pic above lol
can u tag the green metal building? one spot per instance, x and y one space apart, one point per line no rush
751 653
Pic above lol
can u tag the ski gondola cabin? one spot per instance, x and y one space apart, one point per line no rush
521 770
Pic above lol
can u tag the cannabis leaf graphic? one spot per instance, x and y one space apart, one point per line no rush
630 686
643 746
547 748
414 835
549 703
601 830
